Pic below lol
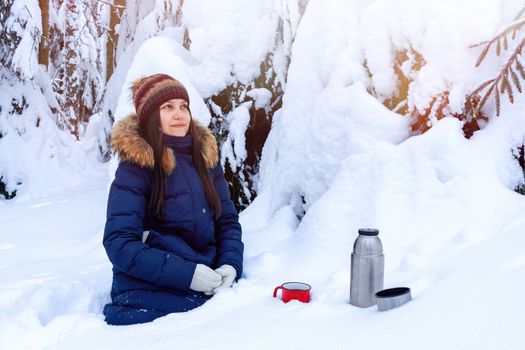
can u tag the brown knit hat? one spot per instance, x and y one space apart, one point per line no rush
149 93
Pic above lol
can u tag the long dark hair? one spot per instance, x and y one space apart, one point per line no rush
151 132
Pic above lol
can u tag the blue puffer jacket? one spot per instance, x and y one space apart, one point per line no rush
151 278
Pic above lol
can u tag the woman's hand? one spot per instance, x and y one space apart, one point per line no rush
228 274
205 280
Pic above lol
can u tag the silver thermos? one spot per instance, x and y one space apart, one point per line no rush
367 270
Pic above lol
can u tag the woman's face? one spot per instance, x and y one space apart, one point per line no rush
175 117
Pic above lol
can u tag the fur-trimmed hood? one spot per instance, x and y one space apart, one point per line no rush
130 146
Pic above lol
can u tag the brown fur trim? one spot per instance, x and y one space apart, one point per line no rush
168 161
130 146
209 151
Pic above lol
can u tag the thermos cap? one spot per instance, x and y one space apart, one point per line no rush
368 231
391 298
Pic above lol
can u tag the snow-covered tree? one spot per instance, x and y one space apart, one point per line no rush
76 64
243 111
18 32
243 105
132 23
32 148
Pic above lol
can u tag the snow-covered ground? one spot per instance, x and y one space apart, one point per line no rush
335 160
459 246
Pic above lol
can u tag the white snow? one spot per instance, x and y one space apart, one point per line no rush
41 157
234 147
335 160
261 96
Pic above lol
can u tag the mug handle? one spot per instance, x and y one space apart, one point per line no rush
275 291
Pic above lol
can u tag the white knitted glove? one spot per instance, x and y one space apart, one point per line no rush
228 274
205 279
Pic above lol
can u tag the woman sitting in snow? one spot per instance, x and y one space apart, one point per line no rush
172 232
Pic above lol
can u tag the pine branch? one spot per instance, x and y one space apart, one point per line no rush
483 54
514 27
497 98
479 44
501 84
509 90
520 69
505 85
477 110
484 99
515 79
481 87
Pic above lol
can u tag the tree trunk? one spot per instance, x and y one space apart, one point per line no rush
116 12
43 50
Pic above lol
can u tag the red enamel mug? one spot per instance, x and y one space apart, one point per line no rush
294 291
